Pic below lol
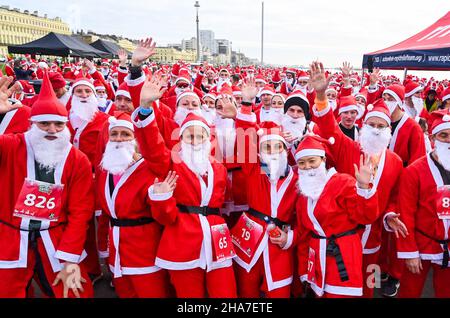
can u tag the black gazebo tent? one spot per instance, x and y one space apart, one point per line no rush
109 47
58 45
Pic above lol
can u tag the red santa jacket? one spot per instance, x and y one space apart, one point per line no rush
16 121
185 243
347 152
132 249
274 199
340 208
408 140
85 138
417 202
62 240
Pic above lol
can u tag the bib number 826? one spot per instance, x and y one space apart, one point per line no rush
42 202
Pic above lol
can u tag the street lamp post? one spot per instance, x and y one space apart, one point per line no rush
197 5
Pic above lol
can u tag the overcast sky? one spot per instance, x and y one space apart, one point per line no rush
296 32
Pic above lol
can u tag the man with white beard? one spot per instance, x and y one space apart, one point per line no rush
104 104
407 136
295 120
424 199
86 120
265 111
209 107
122 188
189 248
330 211
47 202
373 141
414 105
265 259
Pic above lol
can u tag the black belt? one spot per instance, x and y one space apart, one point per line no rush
446 255
334 250
28 230
130 222
234 169
267 219
203 210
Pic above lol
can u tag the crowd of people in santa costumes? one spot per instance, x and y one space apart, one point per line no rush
196 181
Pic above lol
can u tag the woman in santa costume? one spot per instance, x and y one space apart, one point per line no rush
196 247
373 141
424 202
263 236
122 186
331 208
47 202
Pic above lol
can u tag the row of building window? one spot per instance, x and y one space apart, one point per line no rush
32 22
17 29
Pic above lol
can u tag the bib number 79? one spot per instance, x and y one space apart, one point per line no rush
245 234
42 202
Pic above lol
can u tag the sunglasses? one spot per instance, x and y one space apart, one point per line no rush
182 85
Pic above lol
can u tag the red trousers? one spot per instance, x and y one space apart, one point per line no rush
14 282
370 273
389 262
250 285
197 283
92 261
154 285
411 285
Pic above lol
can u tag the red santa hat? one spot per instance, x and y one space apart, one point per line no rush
260 78
175 70
348 103
236 91
120 119
105 62
293 71
312 145
26 87
440 121
223 69
446 94
362 93
183 76
225 90
23 63
123 90
379 109
276 77
57 80
185 93
47 107
411 88
303 76
397 91
99 85
82 81
270 131
268 89
211 95
194 120
332 88
282 96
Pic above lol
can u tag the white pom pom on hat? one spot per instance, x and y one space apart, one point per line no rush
370 107
446 118
331 140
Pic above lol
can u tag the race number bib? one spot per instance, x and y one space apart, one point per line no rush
312 266
246 234
40 201
443 202
221 240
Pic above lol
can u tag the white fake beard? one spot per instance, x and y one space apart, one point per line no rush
118 156
374 141
392 106
296 126
179 90
209 114
102 101
355 90
84 108
182 112
418 104
226 135
443 152
312 182
64 99
275 115
196 157
277 164
361 111
48 153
